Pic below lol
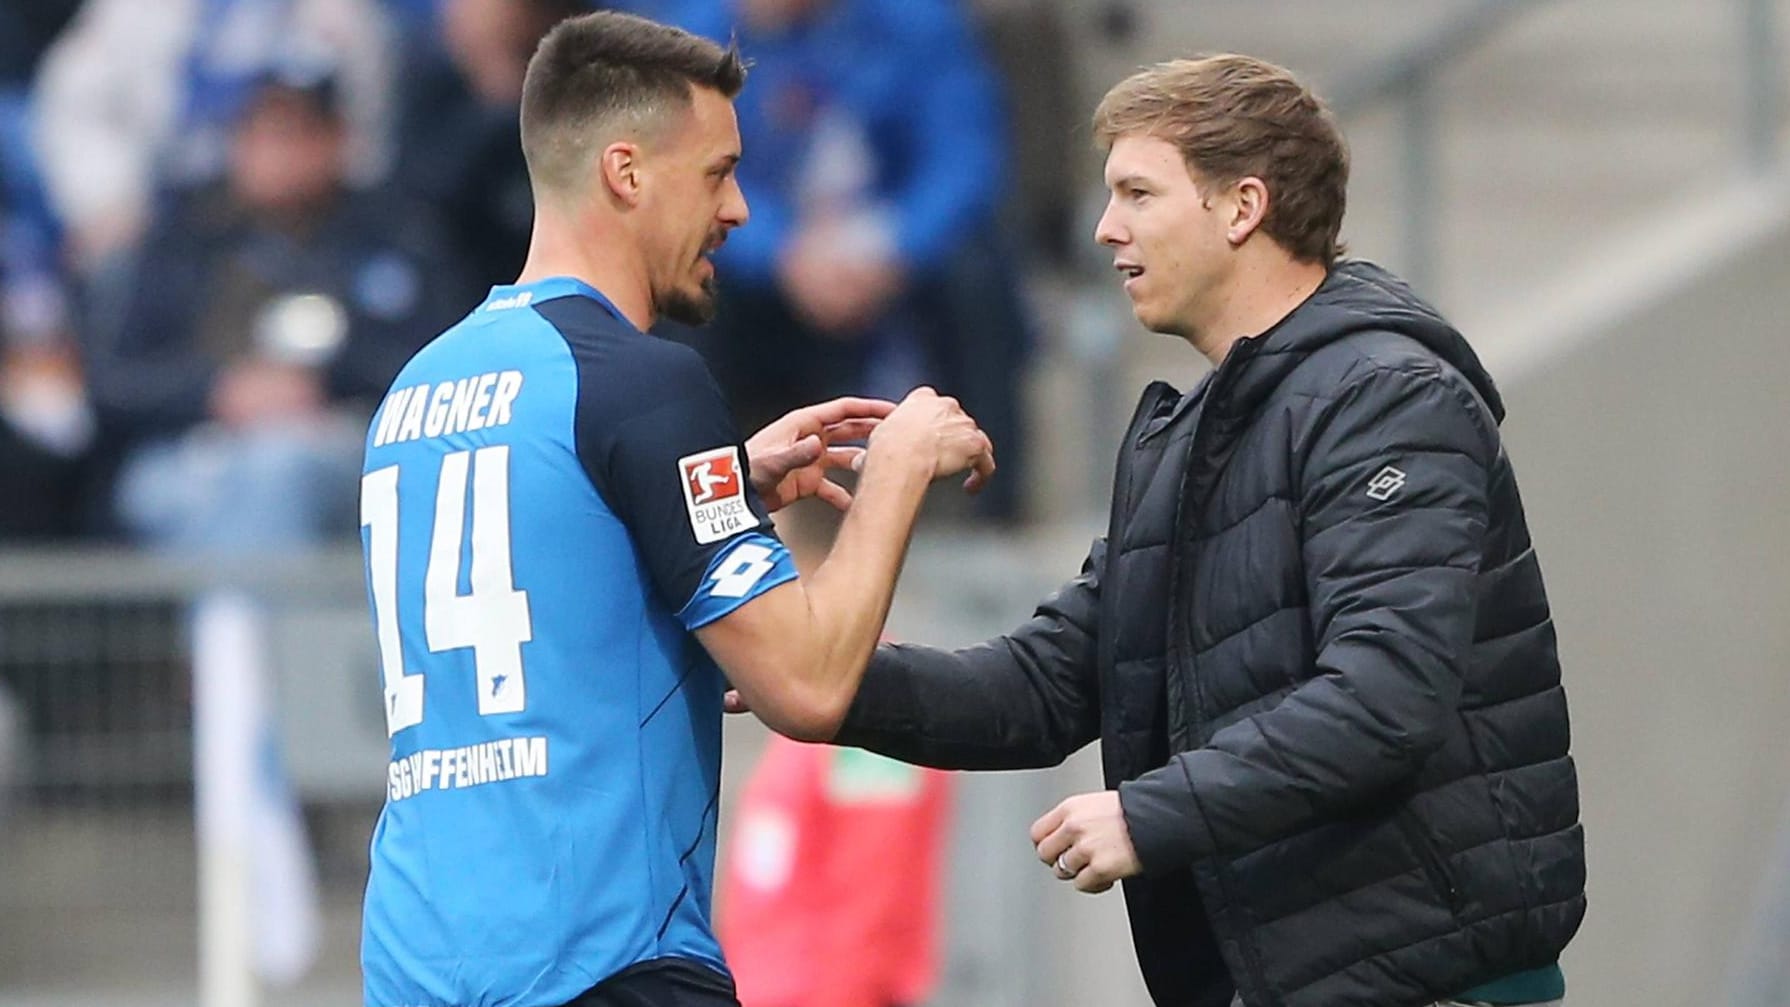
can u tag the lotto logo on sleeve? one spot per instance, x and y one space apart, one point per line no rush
1385 483
715 493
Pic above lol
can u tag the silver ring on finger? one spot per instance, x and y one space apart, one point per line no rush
1062 868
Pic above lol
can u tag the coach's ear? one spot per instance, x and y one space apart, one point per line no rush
1245 204
620 167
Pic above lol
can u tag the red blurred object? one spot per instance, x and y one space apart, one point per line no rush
830 896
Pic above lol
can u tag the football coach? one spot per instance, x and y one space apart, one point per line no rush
1314 642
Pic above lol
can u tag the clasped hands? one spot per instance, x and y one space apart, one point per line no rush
792 456
1084 839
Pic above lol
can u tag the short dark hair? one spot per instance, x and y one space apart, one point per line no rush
1234 116
593 70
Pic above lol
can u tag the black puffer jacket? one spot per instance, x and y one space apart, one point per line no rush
1318 591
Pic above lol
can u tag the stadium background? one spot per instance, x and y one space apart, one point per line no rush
1595 191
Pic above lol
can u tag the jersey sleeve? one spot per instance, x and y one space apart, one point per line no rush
657 438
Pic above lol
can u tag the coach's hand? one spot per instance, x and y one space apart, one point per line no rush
791 456
934 426
1085 840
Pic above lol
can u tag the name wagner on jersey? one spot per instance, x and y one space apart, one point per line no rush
449 407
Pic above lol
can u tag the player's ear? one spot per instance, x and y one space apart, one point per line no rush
620 169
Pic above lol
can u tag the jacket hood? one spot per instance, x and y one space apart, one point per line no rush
1357 296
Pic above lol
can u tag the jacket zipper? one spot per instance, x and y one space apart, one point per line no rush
1148 404
1180 637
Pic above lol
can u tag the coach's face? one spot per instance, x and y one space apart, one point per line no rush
694 201
1169 238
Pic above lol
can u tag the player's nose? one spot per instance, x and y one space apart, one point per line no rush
734 211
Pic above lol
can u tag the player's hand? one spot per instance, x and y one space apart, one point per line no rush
935 427
791 456
1085 840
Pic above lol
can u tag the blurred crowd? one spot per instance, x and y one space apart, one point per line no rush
225 225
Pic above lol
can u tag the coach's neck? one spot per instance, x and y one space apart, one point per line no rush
1266 285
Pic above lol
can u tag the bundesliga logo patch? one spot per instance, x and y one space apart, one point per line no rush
715 493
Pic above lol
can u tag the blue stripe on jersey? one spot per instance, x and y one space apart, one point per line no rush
755 564
550 820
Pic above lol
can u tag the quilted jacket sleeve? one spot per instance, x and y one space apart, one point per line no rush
1020 701
1393 499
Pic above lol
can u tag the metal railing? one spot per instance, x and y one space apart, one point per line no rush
1409 80
1762 95
102 859
94 647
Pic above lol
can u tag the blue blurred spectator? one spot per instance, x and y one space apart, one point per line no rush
263 317
414 16
137 97
426 14
459 143
45 427
875 163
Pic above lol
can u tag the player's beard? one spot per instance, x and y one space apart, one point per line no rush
692 309
697 308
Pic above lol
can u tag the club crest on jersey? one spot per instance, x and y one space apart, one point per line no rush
715 493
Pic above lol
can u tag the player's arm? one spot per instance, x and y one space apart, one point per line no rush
656 438
797 652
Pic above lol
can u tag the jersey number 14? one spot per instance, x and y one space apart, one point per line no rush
492 619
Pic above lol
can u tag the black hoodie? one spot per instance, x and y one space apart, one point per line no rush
1316 648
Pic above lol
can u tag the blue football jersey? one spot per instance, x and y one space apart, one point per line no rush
552 502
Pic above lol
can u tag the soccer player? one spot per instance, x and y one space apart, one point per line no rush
568 545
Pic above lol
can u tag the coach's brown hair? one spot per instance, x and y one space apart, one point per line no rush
1235 116
597 70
